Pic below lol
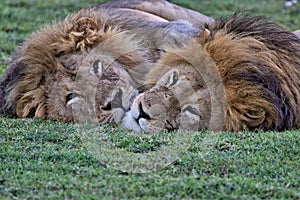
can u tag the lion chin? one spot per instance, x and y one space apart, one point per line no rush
259 64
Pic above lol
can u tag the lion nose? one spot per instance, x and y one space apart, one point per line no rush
142 114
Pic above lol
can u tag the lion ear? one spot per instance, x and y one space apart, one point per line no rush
84 33
84 26
204 36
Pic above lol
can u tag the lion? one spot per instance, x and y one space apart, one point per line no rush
51 73
259 67
40 78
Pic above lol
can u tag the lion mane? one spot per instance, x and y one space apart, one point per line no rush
260 65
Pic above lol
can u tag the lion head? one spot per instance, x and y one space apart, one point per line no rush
47 74
178 98
104 85
259 64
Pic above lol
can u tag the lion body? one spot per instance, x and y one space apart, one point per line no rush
161 8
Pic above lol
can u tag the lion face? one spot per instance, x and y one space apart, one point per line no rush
178 100
101 91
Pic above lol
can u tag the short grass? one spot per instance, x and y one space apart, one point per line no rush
51 160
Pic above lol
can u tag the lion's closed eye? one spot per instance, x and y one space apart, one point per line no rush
97 68
173 79
170 79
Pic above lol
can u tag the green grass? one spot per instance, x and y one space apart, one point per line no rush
44 159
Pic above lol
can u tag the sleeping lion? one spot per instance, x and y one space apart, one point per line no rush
105 51
259 64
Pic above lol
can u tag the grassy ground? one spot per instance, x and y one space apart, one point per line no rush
44 159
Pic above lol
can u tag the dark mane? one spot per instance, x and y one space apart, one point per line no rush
260 28
256 55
